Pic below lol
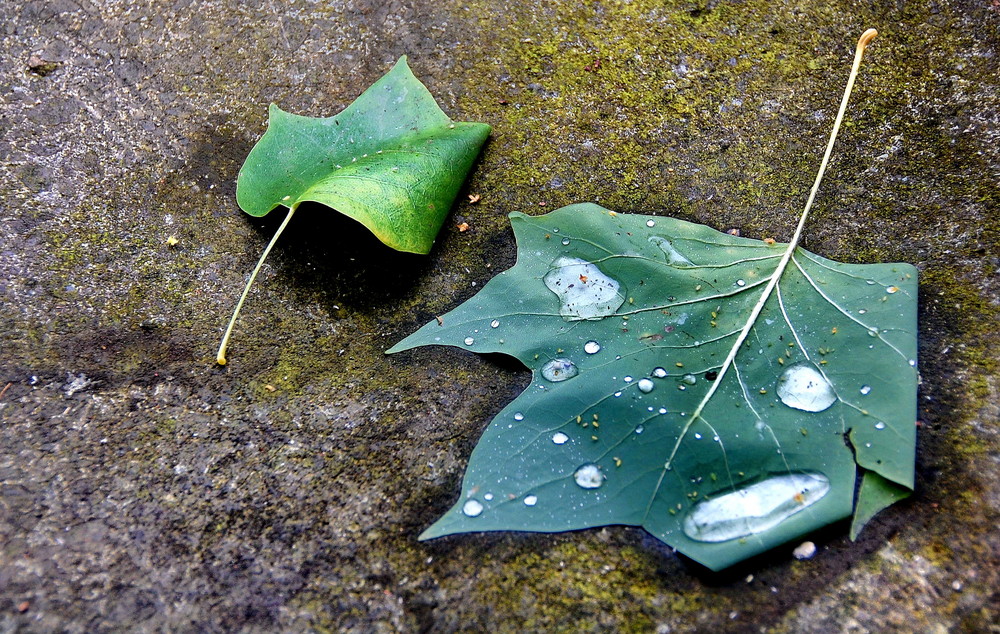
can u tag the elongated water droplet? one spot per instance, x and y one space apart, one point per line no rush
589 476
754 508
591 347
472 507
558 370
646 386
495 323
880 425
560 438
803 387
639 429
674 257
659 373
585 291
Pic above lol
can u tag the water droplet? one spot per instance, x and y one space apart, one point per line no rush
659 373
585 292
639 429
530 500
741 283
627 379
646 386
880 425
560 438
495 323
565 242
865 389
559 370
754 508
488 497
591 347
697 436
803 387
662 410
690 379
617 394
469 341
913 363
674 257
589 476
472 507
862 311
518 416
891 289
650 223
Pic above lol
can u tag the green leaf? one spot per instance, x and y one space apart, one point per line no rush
643 411
392 160
876 494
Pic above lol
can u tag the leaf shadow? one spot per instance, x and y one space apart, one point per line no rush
328 257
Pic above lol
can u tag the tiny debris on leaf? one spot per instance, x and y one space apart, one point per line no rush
474 198
462 227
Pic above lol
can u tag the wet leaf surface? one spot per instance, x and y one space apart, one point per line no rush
643 410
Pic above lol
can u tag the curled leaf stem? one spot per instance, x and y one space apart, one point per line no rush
221 356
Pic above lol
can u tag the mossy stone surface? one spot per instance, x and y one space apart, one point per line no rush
144 487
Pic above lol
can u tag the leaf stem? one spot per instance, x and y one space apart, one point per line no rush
863 43
221 356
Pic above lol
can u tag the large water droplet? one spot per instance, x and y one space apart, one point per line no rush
646 386
559 370
472 507
801 386
560 438
589 476
585 292
591 347
755 508
674 257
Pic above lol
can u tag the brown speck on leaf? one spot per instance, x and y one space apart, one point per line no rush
463 227
474 198
768 241
584 278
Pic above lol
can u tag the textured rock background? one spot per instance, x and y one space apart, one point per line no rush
141 486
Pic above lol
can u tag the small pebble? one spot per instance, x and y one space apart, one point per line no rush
805 550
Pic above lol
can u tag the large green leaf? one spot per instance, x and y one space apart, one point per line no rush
641 411
392 160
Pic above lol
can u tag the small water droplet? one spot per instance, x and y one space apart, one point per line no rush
862 311
682 387
716 438
690 379
589 476
565 242
518 416
558 370
472 507
697 436
617 394
802 386
530 500
627 379
560 438
754 508
650 223
741 282
488 497
662 410
495 323
659 373
891 289
591 347
646 386
913 363
880 425
469 341
865 389
872 332
639 429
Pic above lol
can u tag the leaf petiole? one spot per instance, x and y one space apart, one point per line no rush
221 356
